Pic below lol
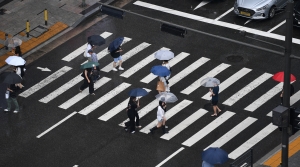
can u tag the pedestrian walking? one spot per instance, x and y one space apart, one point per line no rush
214 99
17 50
116 54
18 70
166 64
165 81
131 110
161 117
86 54
11 96
87 82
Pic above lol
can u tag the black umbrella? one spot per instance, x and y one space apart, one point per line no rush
12 78
96 40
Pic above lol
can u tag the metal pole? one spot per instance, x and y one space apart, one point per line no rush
46 16
6 37
286 86
27 28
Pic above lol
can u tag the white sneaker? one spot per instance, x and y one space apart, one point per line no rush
6 110
120 68
16 111
133 132
114 69
166 127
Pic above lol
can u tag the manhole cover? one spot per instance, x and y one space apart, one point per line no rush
235 58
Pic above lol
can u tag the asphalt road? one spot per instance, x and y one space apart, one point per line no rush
86 131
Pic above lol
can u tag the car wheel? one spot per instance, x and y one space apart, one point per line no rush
272 12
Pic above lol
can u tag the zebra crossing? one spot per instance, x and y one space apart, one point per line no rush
120 92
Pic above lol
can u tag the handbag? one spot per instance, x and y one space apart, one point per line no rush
7 94
160 86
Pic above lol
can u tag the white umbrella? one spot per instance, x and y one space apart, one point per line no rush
168 97
210 82
164 55
15 61
13 42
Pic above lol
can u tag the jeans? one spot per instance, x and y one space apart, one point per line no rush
14 101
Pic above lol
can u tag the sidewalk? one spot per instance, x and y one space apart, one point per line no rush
63 15
273 159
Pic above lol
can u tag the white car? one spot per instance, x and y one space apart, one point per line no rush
258 9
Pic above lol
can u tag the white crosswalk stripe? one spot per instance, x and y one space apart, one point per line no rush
83 94
140 64
128 55
233 132
211 73
81 49
172 62
241 93
61 89
229 81
252 141
208 128
105 51
104 99
174 110
45 81
184 124
264 98
119 108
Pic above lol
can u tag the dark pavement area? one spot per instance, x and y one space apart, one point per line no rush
87 141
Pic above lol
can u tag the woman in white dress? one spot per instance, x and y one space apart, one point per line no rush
161 117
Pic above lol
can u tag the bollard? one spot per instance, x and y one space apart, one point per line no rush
27 28
46 16
83 4
6 36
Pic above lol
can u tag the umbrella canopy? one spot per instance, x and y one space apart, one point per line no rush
138 92
167 96
12 78
15 61
161 71
164 55
115 44
280 77
210 82
89 65
214 155
13 42
96 40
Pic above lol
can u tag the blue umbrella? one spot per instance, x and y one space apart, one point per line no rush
161 71
115 44
214 155
138 92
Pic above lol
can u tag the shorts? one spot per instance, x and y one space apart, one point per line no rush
118 59
214 103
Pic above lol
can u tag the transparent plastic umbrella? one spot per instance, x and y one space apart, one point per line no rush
168 96
13 42
210 82
164 55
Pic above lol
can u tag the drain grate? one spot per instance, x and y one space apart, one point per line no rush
235 58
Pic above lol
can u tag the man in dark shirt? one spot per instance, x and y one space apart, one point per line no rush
214 99
13 93
116 54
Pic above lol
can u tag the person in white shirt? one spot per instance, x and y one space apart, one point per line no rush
88 55
166 64
161 117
